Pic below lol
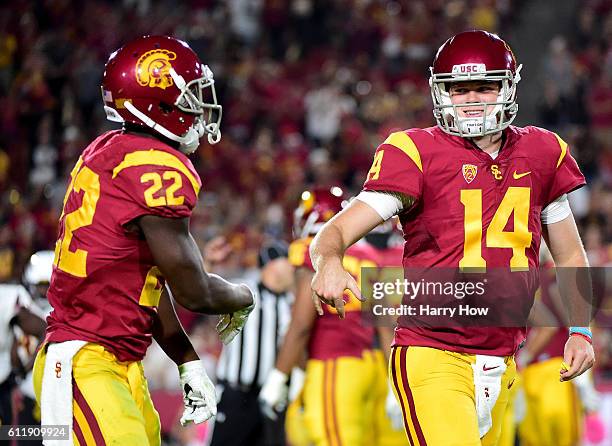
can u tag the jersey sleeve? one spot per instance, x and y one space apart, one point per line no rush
397 167
299 255
567 175
155 182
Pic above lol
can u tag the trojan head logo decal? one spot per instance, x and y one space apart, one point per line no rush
469 172
153 69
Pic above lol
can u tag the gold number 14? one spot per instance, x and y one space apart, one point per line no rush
516 203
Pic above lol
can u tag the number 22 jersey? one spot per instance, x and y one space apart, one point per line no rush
105 287
472 211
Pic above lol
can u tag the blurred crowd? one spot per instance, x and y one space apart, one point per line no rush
309 89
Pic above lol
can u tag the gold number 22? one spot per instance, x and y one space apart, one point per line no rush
169 199
86 180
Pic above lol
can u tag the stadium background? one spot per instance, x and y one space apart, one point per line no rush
309 89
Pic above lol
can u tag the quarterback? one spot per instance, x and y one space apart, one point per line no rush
123 235
472 192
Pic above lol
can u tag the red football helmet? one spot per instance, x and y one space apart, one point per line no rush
159 82
316 207
474 56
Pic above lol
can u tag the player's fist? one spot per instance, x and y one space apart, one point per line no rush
273 394
199 396
578 355
230 325
328 285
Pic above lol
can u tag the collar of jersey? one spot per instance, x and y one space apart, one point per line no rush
508 143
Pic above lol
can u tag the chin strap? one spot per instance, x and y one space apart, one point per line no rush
188 143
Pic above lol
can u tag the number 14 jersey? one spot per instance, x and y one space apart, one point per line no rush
105 287
472 211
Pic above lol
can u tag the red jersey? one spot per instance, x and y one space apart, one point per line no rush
105 287
350 335
473 211
391 257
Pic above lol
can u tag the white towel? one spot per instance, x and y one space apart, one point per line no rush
488 372
56 394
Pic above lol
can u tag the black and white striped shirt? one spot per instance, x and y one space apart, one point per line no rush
247 360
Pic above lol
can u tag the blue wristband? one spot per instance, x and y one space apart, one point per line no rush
585 331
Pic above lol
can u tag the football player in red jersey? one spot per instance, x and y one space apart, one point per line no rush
455 187
345 391
124 234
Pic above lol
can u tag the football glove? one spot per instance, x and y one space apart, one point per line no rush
394 411
273 394
231 324
199 396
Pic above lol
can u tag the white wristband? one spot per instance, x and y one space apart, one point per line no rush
191 366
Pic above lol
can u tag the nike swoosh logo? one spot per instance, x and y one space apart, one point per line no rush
486 369
510 385
518 176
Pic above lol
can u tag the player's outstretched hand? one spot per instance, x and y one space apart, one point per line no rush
273 394
328 285
578 355
199 396
231 324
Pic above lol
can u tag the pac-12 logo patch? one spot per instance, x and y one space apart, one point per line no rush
153 69
469 172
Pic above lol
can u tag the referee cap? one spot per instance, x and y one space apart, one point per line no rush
271 250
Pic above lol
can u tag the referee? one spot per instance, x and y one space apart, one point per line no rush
246 361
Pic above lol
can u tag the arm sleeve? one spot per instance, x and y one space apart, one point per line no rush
385 205
556 211
397 167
